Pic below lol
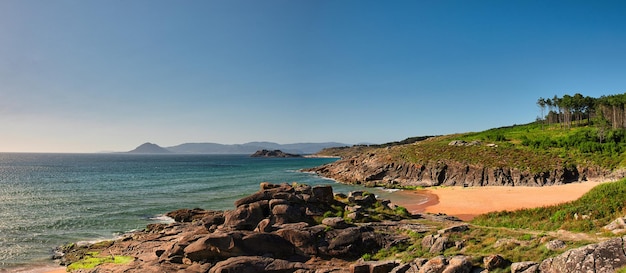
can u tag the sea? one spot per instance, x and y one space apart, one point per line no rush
48 200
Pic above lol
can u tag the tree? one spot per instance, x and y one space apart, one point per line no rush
541 102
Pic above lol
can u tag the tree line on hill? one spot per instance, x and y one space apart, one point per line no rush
604 117
608 110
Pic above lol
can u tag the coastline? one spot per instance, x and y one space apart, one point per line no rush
468 202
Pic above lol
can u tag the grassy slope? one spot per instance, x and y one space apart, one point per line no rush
525 147
602 204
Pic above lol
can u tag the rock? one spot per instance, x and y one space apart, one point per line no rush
360 268
606 256
492 262
323 194
525 267
245 217
441 244
255 264
266 194
617 226
213 218
351 242
267 244
382 267
273 153
428 241
366 200
216 245
555 245
402 268
458 264
289 213
457 143
436 243
304 239
434 265
457 228
335 222
264 226
186 215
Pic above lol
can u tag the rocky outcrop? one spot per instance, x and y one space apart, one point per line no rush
378 170
273 153
276 229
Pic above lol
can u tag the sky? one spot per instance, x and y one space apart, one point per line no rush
88 76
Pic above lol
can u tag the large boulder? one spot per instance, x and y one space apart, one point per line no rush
269 245
323 194
305 239
246 216
603 257
213 246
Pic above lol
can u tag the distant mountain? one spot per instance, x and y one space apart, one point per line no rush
246 148
149 148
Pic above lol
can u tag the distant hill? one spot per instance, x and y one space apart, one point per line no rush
149 148
246 148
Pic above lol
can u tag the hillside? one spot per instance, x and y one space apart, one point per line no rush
149 148
534 154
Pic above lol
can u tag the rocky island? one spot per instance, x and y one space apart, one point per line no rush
273 153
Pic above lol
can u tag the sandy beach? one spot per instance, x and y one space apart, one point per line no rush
466 203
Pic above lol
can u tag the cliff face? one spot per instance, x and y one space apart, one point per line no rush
376 170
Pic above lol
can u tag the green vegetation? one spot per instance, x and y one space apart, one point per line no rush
526 147
93 259
589 213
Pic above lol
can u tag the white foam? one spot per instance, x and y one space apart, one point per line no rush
163 219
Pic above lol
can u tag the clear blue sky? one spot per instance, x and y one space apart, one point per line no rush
88 76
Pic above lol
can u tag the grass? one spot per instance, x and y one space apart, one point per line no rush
530 146
93 259
602 204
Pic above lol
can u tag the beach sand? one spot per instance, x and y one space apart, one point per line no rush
467 203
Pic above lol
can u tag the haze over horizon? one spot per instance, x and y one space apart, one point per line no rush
89 76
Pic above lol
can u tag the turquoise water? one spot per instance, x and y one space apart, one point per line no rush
47 200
